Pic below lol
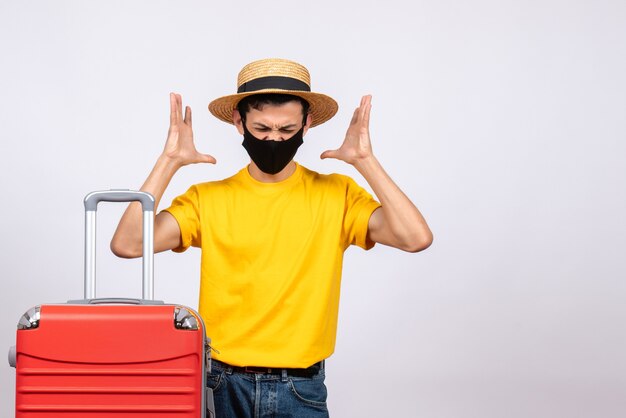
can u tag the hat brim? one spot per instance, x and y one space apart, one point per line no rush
321 109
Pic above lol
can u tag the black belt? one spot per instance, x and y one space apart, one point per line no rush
308 372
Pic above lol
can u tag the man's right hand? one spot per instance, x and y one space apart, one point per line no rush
179 147
179 151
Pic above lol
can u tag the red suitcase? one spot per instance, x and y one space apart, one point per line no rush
112 357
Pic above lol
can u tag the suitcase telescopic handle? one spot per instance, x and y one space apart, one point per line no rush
91 206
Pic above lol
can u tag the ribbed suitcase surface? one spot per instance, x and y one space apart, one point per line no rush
109 361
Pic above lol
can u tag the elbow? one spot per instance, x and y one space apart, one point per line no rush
419 243
123 250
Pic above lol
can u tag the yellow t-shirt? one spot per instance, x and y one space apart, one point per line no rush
271 262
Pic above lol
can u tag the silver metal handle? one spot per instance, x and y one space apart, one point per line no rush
106 301
91 206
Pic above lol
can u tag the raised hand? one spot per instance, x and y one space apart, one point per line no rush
179 146
356 145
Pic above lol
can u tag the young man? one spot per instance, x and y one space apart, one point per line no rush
272 238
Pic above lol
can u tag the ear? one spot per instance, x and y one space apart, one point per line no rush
307 125
237 121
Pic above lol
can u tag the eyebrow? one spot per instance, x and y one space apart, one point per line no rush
261 125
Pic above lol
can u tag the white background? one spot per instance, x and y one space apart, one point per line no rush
504 121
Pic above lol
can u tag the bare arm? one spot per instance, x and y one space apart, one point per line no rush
398 222
179 151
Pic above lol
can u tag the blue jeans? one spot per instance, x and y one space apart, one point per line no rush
258 395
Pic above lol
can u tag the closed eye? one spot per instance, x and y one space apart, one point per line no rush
266 129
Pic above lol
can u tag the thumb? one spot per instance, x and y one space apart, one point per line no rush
329 154
206 158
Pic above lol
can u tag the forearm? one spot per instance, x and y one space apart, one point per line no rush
400 224
127 240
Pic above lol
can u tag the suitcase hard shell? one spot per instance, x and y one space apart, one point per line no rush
117 358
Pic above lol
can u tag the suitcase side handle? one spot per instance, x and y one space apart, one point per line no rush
91 206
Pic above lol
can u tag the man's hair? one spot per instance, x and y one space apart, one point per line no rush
257 101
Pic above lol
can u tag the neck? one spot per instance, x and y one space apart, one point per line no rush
259 175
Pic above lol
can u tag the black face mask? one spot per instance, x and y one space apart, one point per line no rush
271 156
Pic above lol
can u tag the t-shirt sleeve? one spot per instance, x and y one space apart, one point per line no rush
359 207
185 209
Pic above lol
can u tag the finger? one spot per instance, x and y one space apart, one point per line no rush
363 100
188 115
329 154
179 108
206 158
355 116
365 103
172 109
366 116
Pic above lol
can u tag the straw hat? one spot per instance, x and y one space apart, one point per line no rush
275 75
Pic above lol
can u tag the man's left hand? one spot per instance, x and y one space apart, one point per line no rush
356 146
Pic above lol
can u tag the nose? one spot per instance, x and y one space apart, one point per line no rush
274 135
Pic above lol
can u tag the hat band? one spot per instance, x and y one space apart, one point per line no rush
273 82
